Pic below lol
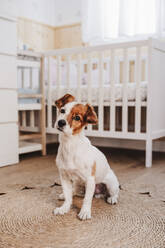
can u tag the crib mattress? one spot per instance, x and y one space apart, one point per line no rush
131 92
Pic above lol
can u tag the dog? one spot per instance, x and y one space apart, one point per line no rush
78 161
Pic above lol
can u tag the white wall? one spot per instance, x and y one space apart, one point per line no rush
39 10
52 12
67 12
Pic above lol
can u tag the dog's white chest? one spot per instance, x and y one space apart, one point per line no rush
70 165
71 161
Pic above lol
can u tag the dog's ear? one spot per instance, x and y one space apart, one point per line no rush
64 100
90 115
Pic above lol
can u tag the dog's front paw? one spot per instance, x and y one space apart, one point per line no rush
113 199
62 210
84 214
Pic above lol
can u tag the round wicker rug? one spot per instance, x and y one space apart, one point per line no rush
26 220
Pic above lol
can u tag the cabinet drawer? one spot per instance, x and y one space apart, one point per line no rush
8 72
8 103
8 37
8 144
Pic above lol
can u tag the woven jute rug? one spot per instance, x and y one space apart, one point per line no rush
138 220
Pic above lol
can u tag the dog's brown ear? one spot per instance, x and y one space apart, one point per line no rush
64 100
90 115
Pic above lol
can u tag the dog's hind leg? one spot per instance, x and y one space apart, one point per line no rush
100 191
112 185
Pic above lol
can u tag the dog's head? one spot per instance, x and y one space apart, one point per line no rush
72 116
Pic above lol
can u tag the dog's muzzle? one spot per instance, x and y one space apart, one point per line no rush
61 125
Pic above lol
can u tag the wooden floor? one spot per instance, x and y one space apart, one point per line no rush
28 197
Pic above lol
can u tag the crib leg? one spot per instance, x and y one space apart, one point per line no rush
148 159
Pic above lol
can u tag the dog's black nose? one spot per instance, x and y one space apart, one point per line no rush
61 123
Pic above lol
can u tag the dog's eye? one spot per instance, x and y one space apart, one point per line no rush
62 111
77 118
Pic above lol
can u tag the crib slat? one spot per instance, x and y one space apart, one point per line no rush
125 82
49 94
58 75
145 68
117 69
101 84
79 77
68 59
32 122
138 99
89 81
31 78
112 91
24 118
22 78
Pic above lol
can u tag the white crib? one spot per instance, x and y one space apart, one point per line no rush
129 100
152 52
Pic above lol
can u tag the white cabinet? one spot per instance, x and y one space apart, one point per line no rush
8 101
8 37
8 92
8 144
8 72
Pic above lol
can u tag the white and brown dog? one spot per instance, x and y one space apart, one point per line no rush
78 161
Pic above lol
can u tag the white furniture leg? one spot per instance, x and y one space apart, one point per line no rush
148 159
